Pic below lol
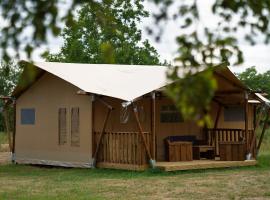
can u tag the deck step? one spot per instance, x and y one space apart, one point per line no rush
202 164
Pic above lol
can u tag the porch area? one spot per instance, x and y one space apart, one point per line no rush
202 164
126 150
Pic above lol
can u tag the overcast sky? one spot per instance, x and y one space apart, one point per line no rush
258 55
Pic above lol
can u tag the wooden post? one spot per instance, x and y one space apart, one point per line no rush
154 124
102 131
263 131
135 111
218 116
257 123
93 124
214 136
246 117
14 130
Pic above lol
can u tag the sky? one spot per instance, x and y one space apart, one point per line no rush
258 55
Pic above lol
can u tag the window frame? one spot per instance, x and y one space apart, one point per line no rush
170 112
26 112
236 115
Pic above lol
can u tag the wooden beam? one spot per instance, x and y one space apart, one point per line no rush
263 131
253 140
219 102
102 133
259 118
228 92
135 111
154 125
14 129
246 114
218 116
93 124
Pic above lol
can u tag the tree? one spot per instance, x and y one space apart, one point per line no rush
204 46
95 39
256 81
9 73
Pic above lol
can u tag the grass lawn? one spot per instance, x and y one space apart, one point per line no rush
29 182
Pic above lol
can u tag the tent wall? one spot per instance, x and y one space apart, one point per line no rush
39 143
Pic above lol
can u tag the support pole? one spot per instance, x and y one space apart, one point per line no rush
14 131
93 123
263 131
102 131
253 143
154 124
218 116
246 118
151 161
214 137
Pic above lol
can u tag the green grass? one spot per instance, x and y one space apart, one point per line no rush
40 183
28 182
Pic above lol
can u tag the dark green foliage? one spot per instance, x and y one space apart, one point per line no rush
256 81
9 73
107 34
187 93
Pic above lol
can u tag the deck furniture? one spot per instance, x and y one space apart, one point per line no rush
203 151
179 151
179 148
232 151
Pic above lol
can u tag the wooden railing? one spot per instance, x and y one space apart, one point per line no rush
122 147
214 136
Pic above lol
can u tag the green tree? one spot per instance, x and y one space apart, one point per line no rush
9 73
96 39
256 81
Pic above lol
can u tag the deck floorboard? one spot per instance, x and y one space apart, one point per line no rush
202 164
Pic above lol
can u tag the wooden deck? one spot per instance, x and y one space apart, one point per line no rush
202 164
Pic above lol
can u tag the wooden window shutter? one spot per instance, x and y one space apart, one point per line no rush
62 126
75 127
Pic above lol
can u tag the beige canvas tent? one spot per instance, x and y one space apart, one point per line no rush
116 116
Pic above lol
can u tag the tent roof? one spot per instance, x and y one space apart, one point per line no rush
126 82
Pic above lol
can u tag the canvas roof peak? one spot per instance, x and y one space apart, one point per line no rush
126 82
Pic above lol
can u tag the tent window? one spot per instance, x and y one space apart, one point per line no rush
170 114
62 126
142 115
75 127
28 116
234 113
124 114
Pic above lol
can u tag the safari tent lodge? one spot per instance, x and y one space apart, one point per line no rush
116 116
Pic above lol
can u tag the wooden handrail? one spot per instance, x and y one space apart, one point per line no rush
123 147
229 135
